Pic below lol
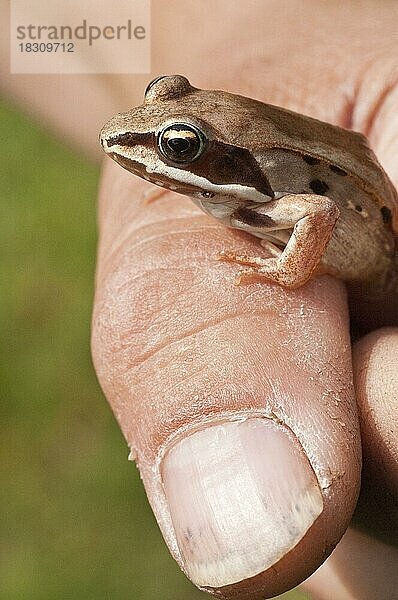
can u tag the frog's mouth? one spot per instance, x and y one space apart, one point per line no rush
194 184
141 170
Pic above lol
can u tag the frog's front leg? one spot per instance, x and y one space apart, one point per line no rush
312 218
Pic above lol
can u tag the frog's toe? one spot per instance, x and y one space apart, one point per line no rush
248 276
249 261
226 256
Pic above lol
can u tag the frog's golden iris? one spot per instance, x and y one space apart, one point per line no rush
181 143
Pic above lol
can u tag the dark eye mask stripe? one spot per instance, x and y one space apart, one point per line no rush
130 139
223 164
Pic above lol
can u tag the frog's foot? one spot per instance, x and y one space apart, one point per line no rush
273 270
241 259
248 276
312 218
229 256
260 269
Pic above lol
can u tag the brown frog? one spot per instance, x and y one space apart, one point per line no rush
313 193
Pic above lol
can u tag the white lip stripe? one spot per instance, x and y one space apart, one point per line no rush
174 174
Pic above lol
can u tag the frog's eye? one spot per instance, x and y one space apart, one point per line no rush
153 82
181 143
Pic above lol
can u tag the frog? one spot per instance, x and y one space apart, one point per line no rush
312 194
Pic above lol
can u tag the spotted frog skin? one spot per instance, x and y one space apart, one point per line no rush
313 193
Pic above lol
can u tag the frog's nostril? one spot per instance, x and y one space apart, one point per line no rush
102 137
104 143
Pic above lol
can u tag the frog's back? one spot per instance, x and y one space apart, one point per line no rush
351 152
345 149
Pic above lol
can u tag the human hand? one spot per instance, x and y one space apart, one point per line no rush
202 374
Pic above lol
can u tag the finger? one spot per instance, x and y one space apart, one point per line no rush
375 111
376 380
376 355
237 402
346 573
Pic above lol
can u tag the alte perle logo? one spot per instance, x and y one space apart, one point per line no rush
82 32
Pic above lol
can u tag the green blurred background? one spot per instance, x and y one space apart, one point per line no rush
75 519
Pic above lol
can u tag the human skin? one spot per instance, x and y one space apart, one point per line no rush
190 377
177 346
